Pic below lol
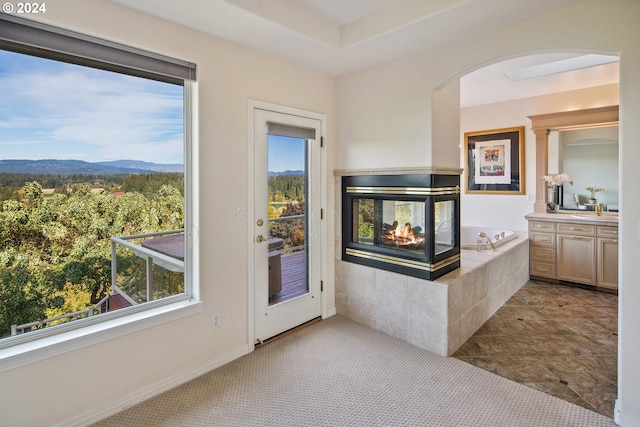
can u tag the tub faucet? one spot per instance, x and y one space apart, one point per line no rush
483 234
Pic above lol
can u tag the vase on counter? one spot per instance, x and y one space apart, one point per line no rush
556 199
555 182
592 194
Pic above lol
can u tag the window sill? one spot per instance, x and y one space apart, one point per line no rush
40 349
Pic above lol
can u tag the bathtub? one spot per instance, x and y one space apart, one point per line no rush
470 239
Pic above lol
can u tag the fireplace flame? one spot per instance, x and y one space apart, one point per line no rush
399 235
405 232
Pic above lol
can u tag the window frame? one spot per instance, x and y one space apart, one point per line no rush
43 40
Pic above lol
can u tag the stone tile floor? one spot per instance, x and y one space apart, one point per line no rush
559 339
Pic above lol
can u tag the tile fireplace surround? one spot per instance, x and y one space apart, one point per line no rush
438 315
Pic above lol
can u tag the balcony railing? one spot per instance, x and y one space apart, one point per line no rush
171 261
288 249
101 306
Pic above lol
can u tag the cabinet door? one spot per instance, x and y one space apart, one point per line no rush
607 263
576 258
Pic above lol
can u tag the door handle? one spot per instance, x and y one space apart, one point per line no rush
260 238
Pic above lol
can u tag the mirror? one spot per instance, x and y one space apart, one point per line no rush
543 125
590 157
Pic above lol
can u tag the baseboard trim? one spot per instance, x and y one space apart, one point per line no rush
156 389
622 420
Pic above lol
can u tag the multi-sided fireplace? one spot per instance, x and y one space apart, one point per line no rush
409 224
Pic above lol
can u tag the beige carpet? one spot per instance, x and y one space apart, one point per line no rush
339 373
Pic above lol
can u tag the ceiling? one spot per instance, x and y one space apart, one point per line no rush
337 37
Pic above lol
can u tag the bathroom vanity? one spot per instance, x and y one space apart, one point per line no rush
573 247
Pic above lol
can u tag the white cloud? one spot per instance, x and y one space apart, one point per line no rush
90 114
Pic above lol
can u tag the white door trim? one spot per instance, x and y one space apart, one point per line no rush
250 211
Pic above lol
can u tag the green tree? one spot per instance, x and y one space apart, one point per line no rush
21 301
290 230
284 188
150 183
55 252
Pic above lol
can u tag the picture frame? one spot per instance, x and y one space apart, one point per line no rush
494 161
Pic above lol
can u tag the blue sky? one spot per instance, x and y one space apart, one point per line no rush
54 110
285 153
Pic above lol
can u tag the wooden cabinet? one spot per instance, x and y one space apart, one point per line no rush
607 257
578 252
542 249
576 258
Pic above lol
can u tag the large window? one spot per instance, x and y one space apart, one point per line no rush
95 192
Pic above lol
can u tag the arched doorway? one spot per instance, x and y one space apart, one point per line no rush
505 111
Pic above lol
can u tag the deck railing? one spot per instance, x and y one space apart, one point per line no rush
289 249
150 257
101 306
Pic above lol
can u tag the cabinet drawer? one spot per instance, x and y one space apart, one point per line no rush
542 226
542 269
542 239
543 254
607 231
576 229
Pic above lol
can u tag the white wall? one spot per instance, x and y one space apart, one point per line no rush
390 106
82 382
508 211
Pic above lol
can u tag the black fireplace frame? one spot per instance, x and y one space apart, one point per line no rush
426 188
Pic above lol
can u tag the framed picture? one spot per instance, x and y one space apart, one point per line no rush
494 161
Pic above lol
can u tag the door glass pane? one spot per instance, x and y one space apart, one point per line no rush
287 207
444 218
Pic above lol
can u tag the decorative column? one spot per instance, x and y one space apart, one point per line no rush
542 166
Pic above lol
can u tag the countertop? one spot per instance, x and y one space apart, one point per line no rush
609 219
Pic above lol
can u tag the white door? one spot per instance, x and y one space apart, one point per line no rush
287 243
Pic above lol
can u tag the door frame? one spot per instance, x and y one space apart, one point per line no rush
251 218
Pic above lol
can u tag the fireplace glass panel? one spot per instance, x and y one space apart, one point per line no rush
403 225
444 213
363 221
397 224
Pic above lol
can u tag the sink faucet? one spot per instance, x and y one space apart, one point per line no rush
483 234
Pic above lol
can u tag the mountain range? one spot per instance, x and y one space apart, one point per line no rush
287 172
80 167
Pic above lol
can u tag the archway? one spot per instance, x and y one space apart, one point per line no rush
487 206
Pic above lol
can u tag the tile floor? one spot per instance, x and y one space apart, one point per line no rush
559 339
